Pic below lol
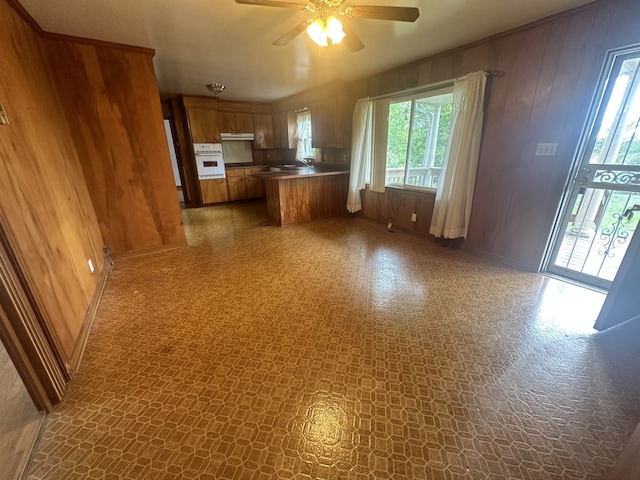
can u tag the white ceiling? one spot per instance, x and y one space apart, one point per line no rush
205 41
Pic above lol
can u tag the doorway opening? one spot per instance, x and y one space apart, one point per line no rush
175 164
602 207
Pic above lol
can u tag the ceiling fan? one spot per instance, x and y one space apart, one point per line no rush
326 28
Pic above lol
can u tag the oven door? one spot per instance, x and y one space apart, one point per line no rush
210 166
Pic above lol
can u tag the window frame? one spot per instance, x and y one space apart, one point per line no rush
445 89
306 140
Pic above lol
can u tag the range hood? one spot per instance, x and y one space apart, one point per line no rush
236 136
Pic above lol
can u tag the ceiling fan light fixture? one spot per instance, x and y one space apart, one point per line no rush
334 30
316 32
321 31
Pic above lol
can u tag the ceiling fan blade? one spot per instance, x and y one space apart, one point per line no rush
351 41
291 34
401 14
273 3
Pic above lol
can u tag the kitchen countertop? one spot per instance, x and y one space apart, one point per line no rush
288 174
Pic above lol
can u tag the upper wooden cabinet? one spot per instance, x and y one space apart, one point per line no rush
284 129
203 125
263 131
234 122
331 122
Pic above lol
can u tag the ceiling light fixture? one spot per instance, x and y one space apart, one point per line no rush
216 88
322 30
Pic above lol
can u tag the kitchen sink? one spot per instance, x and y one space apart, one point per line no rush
287 167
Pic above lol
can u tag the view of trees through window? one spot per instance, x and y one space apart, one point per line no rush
418 132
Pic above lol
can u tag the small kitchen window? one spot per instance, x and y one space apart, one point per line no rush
304 149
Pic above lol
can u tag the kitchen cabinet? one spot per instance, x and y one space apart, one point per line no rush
284 129
237 184
214 190
243 185
235 122
203 125
263 130
331 122
255 186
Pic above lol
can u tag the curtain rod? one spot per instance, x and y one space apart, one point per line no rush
431 86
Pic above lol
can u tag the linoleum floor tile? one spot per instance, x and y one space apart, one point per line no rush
337 350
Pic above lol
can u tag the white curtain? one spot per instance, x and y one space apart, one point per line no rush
455 192
368 149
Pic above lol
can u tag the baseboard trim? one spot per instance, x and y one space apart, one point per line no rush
150 251
78 351
25 468
499 259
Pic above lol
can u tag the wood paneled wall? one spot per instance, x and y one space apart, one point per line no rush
551 70
84 163
113 106
45 207
396 206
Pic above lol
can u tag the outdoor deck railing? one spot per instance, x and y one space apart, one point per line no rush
422 176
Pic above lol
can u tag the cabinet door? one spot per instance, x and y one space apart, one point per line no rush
344 121
214 190
323 123
227 122
255 186
331 122
280 130
203 125
317 129
329 119
244 122
237 188
263 130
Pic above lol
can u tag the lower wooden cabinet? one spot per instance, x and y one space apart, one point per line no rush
255 187
237 184
214 190
242 184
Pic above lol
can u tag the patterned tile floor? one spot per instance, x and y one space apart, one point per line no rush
338 350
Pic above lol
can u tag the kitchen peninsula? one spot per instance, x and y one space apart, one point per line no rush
296 195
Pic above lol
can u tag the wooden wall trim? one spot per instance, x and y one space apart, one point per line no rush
24 336
191 101
237 106
26 16
99 43
92 309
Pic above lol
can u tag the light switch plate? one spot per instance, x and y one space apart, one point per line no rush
4 120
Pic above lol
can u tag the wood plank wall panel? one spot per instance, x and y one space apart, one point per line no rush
551 70
45 207
113 106
396 206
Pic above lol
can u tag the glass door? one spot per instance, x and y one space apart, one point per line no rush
603 206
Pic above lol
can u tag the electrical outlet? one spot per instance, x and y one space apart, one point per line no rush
546 149
4 120
414 217
90 262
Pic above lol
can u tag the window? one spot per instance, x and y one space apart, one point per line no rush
419 129
304 149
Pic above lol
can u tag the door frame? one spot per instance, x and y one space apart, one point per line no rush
25 336
585 143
